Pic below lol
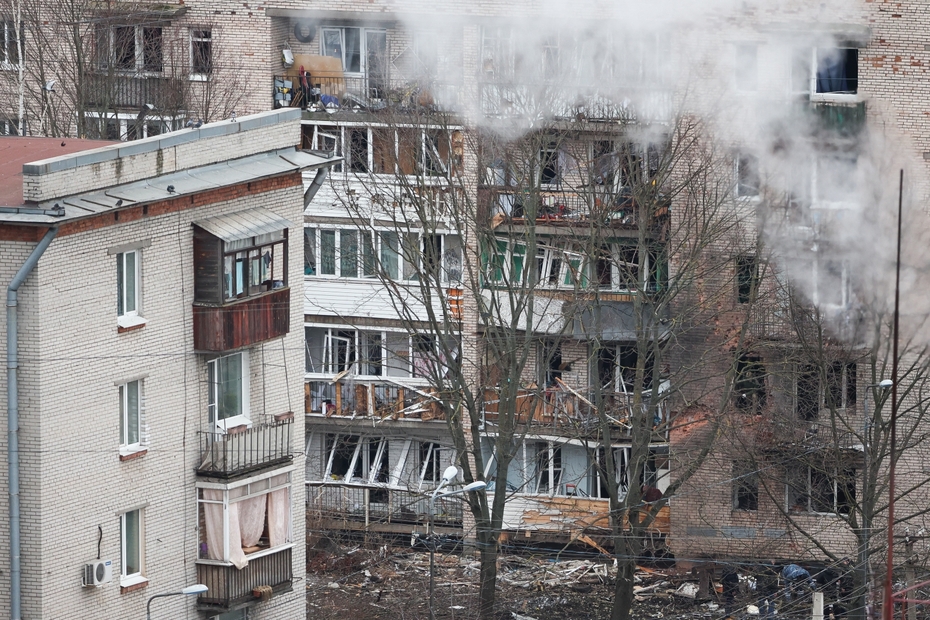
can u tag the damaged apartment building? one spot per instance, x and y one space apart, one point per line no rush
499 181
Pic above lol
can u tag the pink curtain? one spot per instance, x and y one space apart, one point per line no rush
279 516
213 518
251 519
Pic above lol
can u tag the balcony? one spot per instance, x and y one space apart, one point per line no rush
335 92
230 587
563 411
555 207
369 399
121 90
235 453
561 100
242 323
350 507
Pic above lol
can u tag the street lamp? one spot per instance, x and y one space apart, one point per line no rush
447 477
884 385
197 588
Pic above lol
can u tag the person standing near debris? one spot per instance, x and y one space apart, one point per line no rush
797 579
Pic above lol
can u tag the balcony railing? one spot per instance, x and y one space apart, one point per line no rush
121 90
361 398
564 411
373 505
237 452
372 93
230 587
562 100
242 323
556 207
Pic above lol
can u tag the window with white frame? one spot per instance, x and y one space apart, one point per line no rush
362 51
201 53
128 271
747 175
9 50
831 387
130 415
548 479
228 399
132 547
126 126
244 520
598 468
830 283
356 458
826 73
355 253
824 490
374 353
373 149
130 48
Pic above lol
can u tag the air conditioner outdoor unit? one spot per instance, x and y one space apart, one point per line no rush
98 572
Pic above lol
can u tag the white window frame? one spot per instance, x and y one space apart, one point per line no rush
126 317
546 469
138 68
8 41
126 578
125 121
362 46
126 446
213 385
255 486
811 90
328 369
197 36
450 272
818 266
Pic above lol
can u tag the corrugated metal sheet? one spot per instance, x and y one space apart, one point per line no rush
243 224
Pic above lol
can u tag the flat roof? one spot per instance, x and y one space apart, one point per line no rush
16 151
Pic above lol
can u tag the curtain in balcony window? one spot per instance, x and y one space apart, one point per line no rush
251 519
279 517
213 518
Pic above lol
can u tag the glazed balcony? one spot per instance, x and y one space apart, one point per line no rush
243 450
553 206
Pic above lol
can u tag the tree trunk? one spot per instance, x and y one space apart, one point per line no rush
626 555
488 576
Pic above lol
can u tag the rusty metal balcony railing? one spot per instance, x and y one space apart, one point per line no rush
230 587
119 90
237 452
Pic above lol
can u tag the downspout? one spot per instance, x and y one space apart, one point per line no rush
315 185
12 403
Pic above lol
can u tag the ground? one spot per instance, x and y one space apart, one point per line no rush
351 581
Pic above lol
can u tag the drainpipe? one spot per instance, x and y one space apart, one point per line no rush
315 185
12 407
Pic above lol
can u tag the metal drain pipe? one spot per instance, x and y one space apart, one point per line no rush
12 409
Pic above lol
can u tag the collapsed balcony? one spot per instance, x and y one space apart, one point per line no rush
563 410
351 398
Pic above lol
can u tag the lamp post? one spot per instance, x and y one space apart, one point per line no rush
885 385
447 477
197 588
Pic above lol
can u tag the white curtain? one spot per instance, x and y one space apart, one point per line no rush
213 518
279 516
251 519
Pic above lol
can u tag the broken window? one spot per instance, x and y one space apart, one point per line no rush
747 278
841 385
807 393
657 471
745 486
550 362
358 150
616 368
837 70
549 165
830 283
548 469
747 175
356 458
749 384
435 153
497 54
598 465
824 490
